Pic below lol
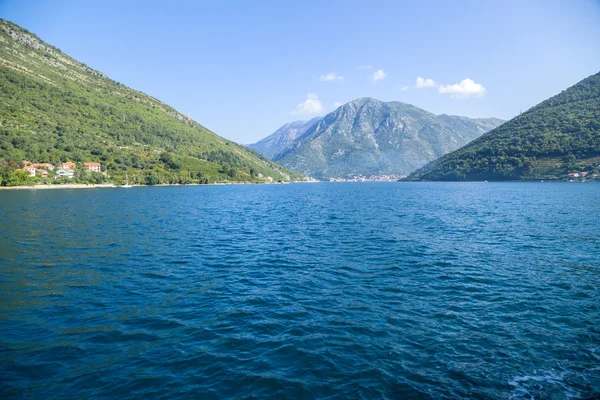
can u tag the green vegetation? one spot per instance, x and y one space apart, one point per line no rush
556 137
11 176
56 109
370 137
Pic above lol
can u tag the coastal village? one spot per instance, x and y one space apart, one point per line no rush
372 178
66 170
583 176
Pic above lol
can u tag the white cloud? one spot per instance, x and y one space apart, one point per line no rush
378 75
466 88
364 67
425 83
337 104
403 88
312 105
332 76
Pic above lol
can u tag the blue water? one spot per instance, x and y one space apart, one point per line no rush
397 290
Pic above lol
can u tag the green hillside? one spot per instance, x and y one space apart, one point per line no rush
56 109
558 136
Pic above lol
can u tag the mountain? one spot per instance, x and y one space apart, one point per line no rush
558 136
283 137
370 137
56 109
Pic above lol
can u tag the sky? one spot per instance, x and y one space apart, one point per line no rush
244 68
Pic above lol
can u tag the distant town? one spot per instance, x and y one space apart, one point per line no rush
372 178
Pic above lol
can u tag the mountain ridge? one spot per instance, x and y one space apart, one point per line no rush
283 137
371 137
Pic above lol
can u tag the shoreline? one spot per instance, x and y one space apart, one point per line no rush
111 186
67 186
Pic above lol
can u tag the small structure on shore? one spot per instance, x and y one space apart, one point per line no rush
63 173
92 166
30 168
47 166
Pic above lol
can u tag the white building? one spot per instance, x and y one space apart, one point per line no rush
30 169
63 173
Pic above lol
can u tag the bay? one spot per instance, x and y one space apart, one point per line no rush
330 290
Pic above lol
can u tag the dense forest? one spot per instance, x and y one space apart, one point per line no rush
56 109
559 136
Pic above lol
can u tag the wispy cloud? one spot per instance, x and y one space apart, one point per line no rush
403 88
378 75
332 76
425 83
312 105
337 104
464 89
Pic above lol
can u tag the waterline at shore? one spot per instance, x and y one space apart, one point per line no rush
93 186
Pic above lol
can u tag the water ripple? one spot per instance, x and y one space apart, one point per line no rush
302 291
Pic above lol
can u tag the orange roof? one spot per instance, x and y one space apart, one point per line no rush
92 164
25 162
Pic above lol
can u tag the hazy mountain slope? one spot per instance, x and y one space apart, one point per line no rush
283 137
370 137
559 135
55 108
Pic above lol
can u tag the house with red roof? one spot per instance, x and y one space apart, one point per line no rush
29 168
47 166
92 166
70 166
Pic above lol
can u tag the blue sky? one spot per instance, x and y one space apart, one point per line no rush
244 68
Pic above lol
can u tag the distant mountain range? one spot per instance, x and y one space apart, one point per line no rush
283 137
56 109
370 137
559 136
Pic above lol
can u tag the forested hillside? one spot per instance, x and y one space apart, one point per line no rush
56 109
559 136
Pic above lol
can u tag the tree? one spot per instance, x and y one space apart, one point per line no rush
151 179
15 177
570 161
